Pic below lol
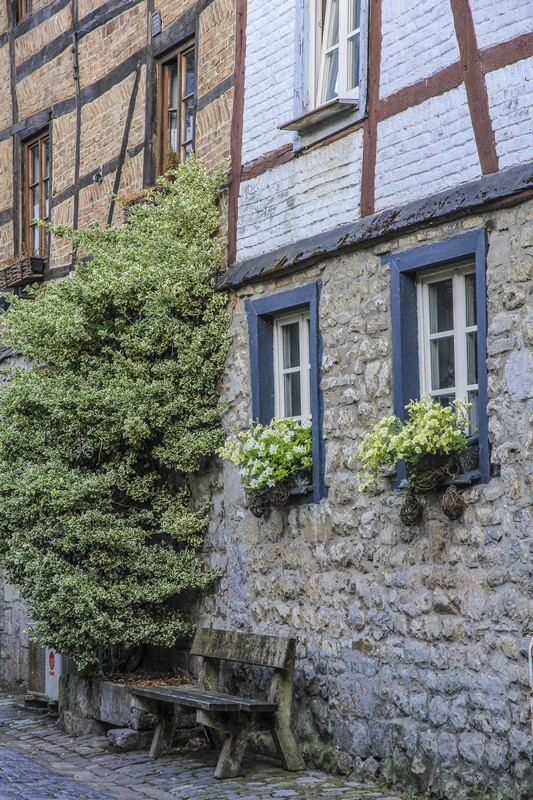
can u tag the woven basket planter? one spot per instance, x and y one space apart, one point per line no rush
16 272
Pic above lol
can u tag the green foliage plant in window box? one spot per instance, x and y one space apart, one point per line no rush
273 459
430 442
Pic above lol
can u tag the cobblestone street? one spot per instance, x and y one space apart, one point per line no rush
40 762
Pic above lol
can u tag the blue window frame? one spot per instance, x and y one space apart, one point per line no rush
261 314
404 269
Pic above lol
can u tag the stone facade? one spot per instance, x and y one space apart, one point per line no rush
412 642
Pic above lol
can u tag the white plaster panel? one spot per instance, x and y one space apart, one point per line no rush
425 149
269 76
418 39
510 93
498 22
308 195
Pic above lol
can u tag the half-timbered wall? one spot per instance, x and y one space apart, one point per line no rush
87 71
449 99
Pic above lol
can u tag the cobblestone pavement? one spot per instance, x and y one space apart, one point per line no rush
40 762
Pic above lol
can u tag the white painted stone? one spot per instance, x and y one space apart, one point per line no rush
496 22
510 93
269 76
425 149
308 195
418 40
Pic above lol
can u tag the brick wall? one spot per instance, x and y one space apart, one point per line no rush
270 74
436 150
418 40
105 103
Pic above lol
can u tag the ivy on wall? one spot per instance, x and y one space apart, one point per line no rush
100 435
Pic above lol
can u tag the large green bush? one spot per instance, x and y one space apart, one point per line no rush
100 435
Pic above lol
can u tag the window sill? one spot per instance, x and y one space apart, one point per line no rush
334 110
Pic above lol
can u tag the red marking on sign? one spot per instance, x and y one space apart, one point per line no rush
51 663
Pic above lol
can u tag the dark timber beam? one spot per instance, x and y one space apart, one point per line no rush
476 89
237 127
507 187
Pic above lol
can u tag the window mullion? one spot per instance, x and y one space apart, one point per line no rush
305 364
343 47
459 320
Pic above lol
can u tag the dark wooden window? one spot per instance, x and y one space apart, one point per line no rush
178 104
21 9
36 194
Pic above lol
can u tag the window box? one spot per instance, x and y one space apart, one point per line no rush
20 270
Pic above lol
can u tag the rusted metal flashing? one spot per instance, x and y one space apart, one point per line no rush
495 190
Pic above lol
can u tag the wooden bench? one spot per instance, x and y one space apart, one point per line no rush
236 717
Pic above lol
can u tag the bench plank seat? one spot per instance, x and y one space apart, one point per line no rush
208 701
231 716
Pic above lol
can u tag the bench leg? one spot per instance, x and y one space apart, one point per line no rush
164 733
229 760
287 748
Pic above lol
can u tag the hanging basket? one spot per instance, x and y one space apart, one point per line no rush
452 503
411 511
432 469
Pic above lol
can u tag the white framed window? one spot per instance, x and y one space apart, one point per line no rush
336 46
292 367
447 320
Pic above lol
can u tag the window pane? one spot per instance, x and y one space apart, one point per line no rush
292 394
445 399
46 189
331 76
188 109
354 15
332 33
35 239
35 211
291 345
471 358
173 87
442 363
470 299
173 130
47 159
189 72
474 426
353 62
440 306
34 156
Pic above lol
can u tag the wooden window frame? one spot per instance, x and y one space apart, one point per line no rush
21 9
176 59
304 368
321 12
405 268
261 315
459 332
44 183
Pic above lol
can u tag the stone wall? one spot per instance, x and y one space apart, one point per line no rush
412 659
14 650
